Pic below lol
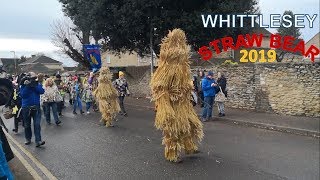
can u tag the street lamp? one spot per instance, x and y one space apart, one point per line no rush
15 61
151 48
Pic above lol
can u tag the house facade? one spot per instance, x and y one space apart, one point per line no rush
41 64
315 40
126 59
230 54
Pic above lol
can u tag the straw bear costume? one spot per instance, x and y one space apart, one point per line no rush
171 88
107 97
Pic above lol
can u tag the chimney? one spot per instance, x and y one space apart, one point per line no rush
32 56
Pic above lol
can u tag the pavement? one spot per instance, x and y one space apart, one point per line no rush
81 148
299 125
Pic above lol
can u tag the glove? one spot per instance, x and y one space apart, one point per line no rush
26 82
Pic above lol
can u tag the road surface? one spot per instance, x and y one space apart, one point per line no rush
83 149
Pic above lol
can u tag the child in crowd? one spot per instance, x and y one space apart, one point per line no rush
76 94
87 96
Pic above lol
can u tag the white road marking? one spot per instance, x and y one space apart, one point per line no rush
44 170
33 172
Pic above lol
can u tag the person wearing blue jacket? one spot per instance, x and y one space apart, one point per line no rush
5 172
209 92
30 91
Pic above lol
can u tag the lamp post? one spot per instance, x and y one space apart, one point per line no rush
151 47
15 61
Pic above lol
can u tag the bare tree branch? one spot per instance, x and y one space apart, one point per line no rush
68 40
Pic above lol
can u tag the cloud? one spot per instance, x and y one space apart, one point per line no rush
10 44
297 7
29 18
27 47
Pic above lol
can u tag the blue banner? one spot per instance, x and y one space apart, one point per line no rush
92 54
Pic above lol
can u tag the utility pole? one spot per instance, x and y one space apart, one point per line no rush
15 62
151 49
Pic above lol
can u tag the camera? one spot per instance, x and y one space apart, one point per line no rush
32 81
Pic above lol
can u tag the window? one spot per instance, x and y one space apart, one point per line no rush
108 60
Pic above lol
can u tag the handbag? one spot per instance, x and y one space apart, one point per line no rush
127 91
194 98
58 97
7 114
220 97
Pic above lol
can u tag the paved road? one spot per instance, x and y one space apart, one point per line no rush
83 149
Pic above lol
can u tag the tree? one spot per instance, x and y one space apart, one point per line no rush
68 40
288 31
127 25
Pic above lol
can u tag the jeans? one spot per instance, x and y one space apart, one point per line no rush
121 99
88 105
60 107
76 102
53 105
201 98
33 112
44 110
207 110
16 123
221 107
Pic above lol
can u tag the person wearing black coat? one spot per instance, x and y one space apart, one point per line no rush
201 75
222 82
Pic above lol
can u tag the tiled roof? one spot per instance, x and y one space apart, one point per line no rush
41 59
38 68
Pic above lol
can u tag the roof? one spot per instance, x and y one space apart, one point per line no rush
70 68
260 30
9 63
37 68
41 59
315 40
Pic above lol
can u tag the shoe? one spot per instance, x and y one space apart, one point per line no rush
59 122
88 112
125 114
204 120
196 152
27 142
81 112
49 123
15 130
220 115
40 143
74 112
223 115
179 160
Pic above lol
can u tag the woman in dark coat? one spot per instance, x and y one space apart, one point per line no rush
201 75
222 82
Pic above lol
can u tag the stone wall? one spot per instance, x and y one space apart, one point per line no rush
282 88
138 80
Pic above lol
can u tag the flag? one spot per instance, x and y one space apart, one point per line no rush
92 54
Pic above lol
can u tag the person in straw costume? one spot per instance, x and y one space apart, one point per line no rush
171 90
107 97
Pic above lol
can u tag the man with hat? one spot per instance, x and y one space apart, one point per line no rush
208 88
30 92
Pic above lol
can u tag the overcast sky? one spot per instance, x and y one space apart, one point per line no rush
25 24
